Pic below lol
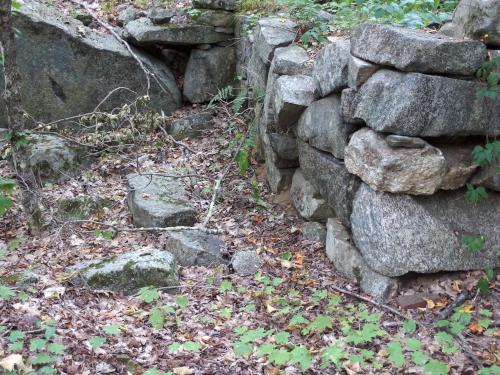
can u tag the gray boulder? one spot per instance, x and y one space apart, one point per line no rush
359 71
127 15
347 98
279 171
128 272
53 158
291 96
349 262
314 232
195 248
285 147
143 32
322 126
290 61
331 67
417 171
307 200
156 201
207 72
160 16
416 51
256 73
330 176
217 18
246 263
417 104
80 207
68 69
477 19
191 126
424 234
216 4
272 33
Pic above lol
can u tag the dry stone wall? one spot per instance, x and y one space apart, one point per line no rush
383 125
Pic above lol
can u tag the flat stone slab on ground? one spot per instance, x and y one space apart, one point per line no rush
195 248
416 51
128 272
416 104
156 201
424 234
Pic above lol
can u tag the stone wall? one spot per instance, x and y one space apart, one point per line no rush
374 137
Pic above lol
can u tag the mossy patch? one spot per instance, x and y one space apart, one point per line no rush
80 208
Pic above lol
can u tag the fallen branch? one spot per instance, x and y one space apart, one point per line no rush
146 229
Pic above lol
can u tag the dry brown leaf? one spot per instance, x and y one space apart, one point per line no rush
476 328
183 371
467 309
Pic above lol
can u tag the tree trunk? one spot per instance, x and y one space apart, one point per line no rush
16 119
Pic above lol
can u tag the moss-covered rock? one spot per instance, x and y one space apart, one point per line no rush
79 208
128 272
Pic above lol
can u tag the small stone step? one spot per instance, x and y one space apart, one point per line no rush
156 201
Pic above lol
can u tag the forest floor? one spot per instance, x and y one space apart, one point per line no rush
290 316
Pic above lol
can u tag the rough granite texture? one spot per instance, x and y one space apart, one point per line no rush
397 233
331 66
195 248
307 200
246 262
191 126
272 33
416 51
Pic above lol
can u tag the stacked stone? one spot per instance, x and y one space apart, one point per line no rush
389 147
381 129
208 34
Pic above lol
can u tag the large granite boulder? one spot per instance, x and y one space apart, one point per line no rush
157 201
128 272
418 104
195 248
207 72
143 32
349 262
331 66
330 176
322 126
416 51
272 33
418 171
291 96
477 19
68 69
307 200
424 234
285 147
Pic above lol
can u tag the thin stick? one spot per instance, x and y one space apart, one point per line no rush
147 229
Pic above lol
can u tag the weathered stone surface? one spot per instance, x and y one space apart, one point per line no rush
246 263
315 232
257 72
331 67
489 177
477 19
272 33
292 95
127 15
207 72
52 158
459 164
128 272
195 248
292 60
359 71
279 179
143 32
156 201
243 43
417 171
307 199
191 126
217 18
216 4
348 261
398 141
322 126
160 16
61 61
424 234
80 207
330 176
285 147
416 51
417 104
347 98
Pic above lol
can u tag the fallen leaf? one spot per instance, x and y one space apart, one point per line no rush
11 361
455 286
476 328
467 309
183 371
270 308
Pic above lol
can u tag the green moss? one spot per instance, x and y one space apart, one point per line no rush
80 208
